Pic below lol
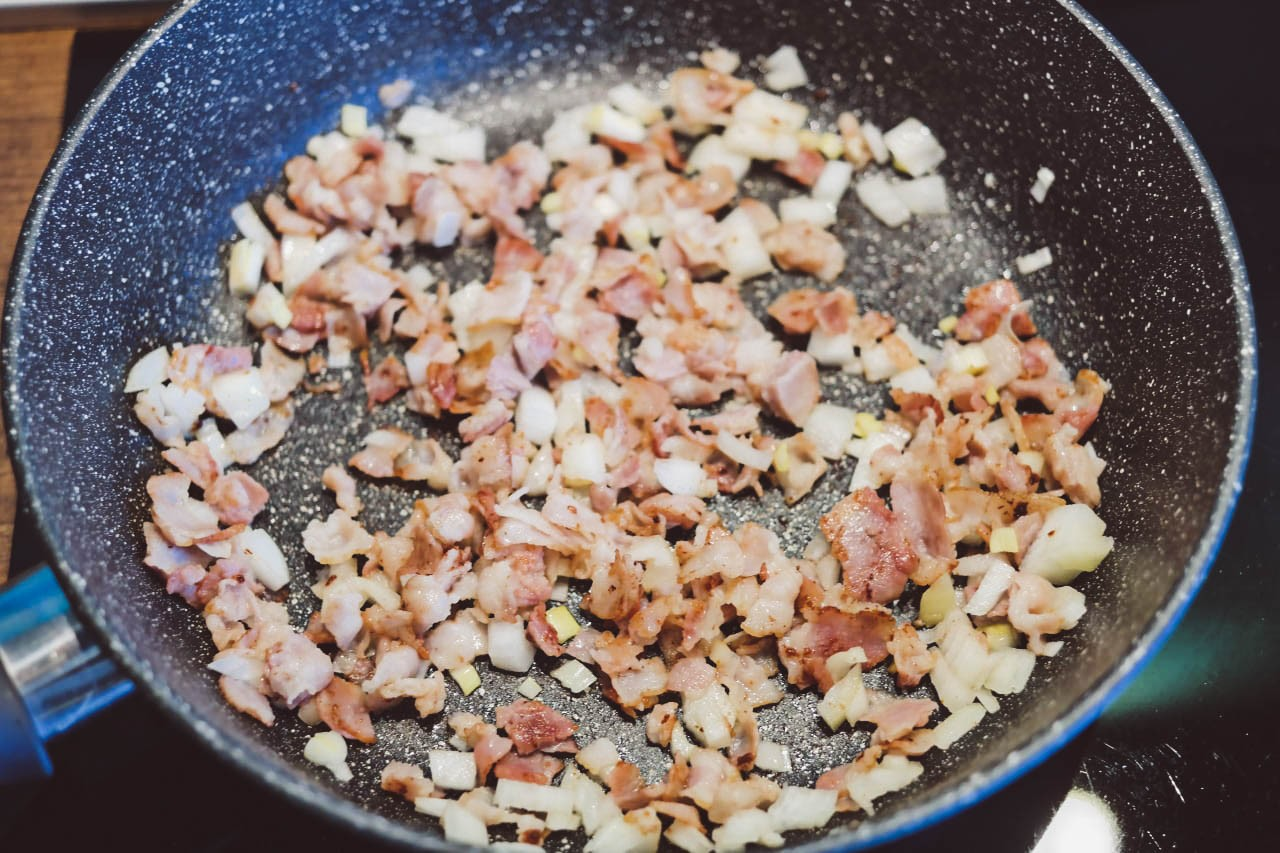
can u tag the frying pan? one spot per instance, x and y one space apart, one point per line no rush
123 246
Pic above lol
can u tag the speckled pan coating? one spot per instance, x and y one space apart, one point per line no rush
122 249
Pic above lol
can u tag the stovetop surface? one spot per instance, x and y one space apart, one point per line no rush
1181 761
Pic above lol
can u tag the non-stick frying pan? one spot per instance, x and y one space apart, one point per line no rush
122 251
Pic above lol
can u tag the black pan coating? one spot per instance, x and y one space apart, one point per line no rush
122 253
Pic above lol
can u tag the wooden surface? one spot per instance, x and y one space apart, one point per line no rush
33 81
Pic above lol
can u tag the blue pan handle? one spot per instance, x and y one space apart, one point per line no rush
53 674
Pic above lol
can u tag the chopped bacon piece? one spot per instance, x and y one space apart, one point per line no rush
236 497
341 706
911 657
806 247
791 389
407 780
805 167
385 381
538 768
871 545
701 96
796 310
532 725
805 649
896 718
986 305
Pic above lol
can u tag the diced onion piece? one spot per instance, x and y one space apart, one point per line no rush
763 109
709 716
802 808
529 688
148 371
994 584
741 451
329 750
916 380
1000 635
878 196
744 828
269 308
461 826
629 833
433 806
590 801
970 358
598 757
251 225
562 620
569 821
840 663
418 120
536 414
846 700
711 151
893 773
720 59
241 395
604 120
925 196
804 209
1004 540
244 267
744 252
834 181
865 424
631 101
937 601
468 680
452 770
830 427
831 350
914 148
299 259
509 646
1010 670
530 797
682 477
571 412
687 837
875 141
574 676
990 702
1071 541
1037 260
264 557
761 142
831 146
582 463
568 135
635 232
467 143
957 725
354 120
783 70
773 757
1034 460
1044 180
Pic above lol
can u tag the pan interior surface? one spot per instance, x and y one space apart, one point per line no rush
124 249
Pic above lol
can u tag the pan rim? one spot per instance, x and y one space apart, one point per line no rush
1034 751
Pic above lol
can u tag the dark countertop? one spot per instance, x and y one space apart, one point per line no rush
1180 762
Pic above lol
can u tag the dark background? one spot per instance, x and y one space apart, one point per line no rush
1182 761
